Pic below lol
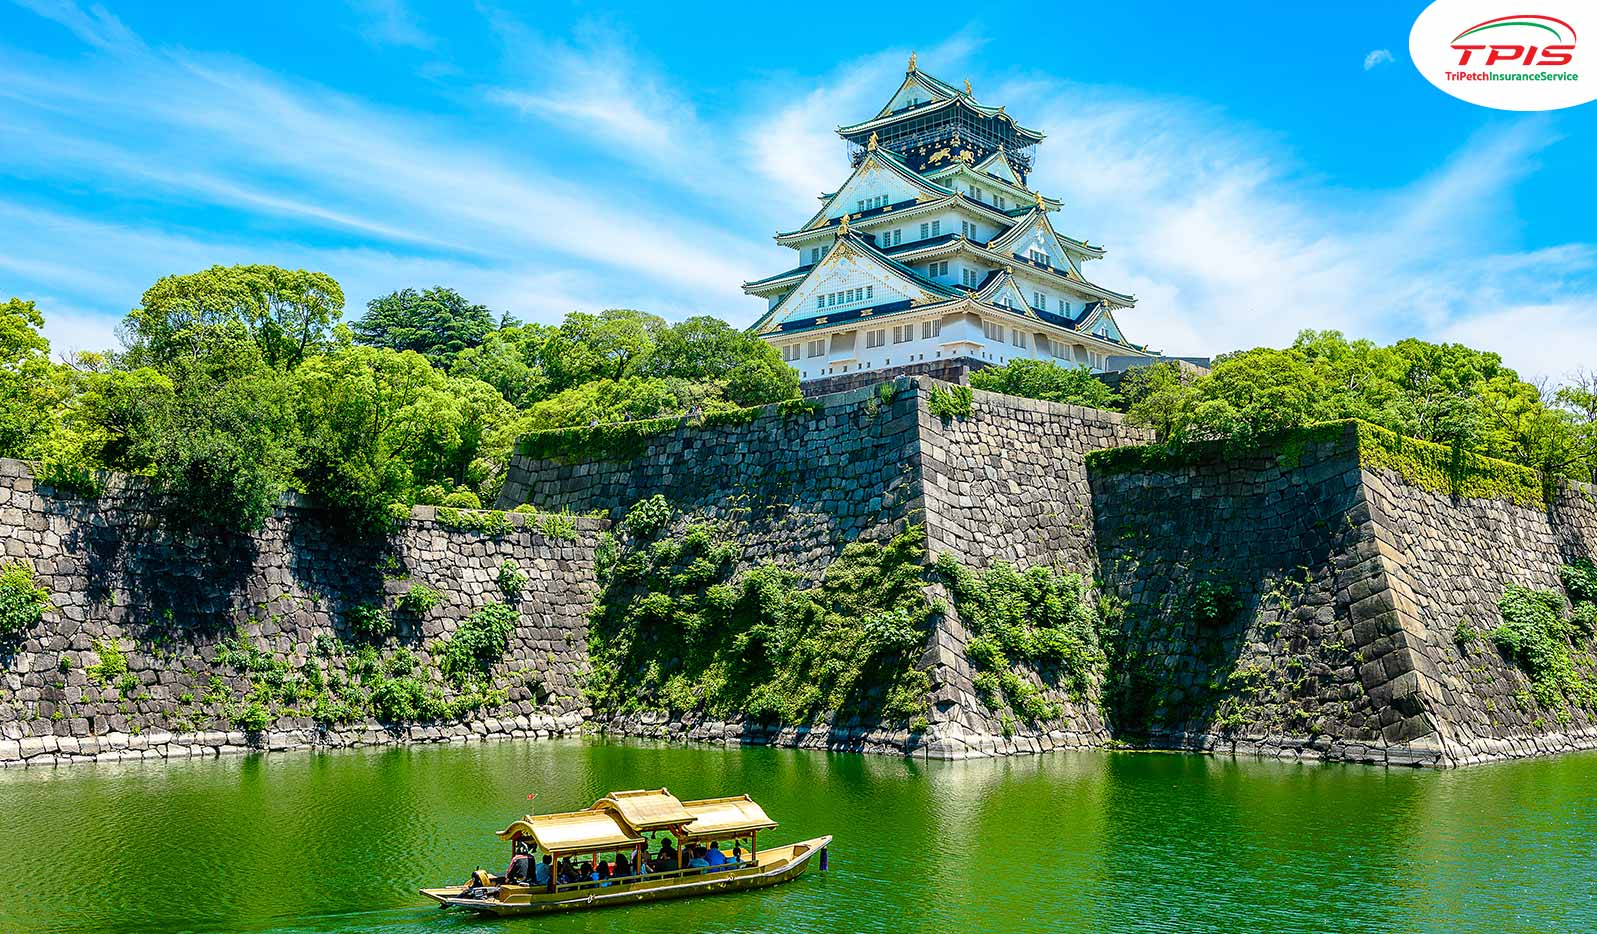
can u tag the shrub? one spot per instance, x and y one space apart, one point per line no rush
1580 581
368 622
419 600
112 664
461 499
253 717
511 579
22 602
1047 380
949 402
489 522
558 526
1535 636
647 517
478 644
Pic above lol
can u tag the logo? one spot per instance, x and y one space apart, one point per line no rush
1483 52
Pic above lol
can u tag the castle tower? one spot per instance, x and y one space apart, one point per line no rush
934 253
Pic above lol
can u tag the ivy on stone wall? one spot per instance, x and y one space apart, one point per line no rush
1538 635
1041 618
679 628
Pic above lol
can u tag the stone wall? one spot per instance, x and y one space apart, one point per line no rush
793 488
117 583
1447 561
1299 603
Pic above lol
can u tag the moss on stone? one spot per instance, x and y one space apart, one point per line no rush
1424 464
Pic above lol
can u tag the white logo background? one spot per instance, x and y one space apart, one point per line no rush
1430 46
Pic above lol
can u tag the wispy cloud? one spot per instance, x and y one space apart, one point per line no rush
95 25
390 22
1377 57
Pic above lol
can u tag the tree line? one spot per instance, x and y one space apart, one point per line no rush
236 384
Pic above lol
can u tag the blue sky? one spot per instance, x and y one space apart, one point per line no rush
1252 172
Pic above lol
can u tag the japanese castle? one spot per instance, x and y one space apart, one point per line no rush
935 253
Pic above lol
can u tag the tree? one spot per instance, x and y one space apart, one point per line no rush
609 400
285 313
749 371
26 401
437 323
1044 379
509 360
608 345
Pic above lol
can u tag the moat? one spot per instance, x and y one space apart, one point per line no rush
1068 841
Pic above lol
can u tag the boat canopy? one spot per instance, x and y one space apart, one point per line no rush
572 832
725 817
645 810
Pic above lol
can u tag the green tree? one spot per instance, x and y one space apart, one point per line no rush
511 361
437 323
749 371
26 399
609 345
1044 379
285 313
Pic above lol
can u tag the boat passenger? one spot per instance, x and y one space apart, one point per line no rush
668 854
520 865
715 857
699 862
566 874
737 852
540 875
623 868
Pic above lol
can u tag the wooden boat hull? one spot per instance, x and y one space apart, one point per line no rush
779 864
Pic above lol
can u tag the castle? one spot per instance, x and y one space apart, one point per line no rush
936 250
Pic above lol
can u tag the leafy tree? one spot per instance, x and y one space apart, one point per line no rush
26 399
608 345
750 371
437 323
285 313
630 399
1044 379
511 361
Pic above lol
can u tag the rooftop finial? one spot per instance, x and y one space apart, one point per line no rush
912 62
1038 196
967 87
870 144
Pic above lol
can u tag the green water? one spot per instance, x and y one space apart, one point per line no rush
1063 842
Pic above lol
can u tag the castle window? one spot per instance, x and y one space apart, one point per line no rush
875 338
925 231
815 255
931 329
903 333
1041 257
970 277
993 330
1039 301
790 352
820 301
937 269
815 348
1018 338
967 230
895 238
937 228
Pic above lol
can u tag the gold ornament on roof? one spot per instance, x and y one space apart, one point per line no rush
1038 196
870 144
912 62
842 226
967 87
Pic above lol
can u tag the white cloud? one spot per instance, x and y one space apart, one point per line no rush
96 25
390 22
1377 57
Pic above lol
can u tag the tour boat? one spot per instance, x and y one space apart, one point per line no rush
628 824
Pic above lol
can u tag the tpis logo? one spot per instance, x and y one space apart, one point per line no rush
1484 52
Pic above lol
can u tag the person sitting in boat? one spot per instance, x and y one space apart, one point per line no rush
623 868
699 862
668 855
541 874
565 873
715 857
520 869
737 852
